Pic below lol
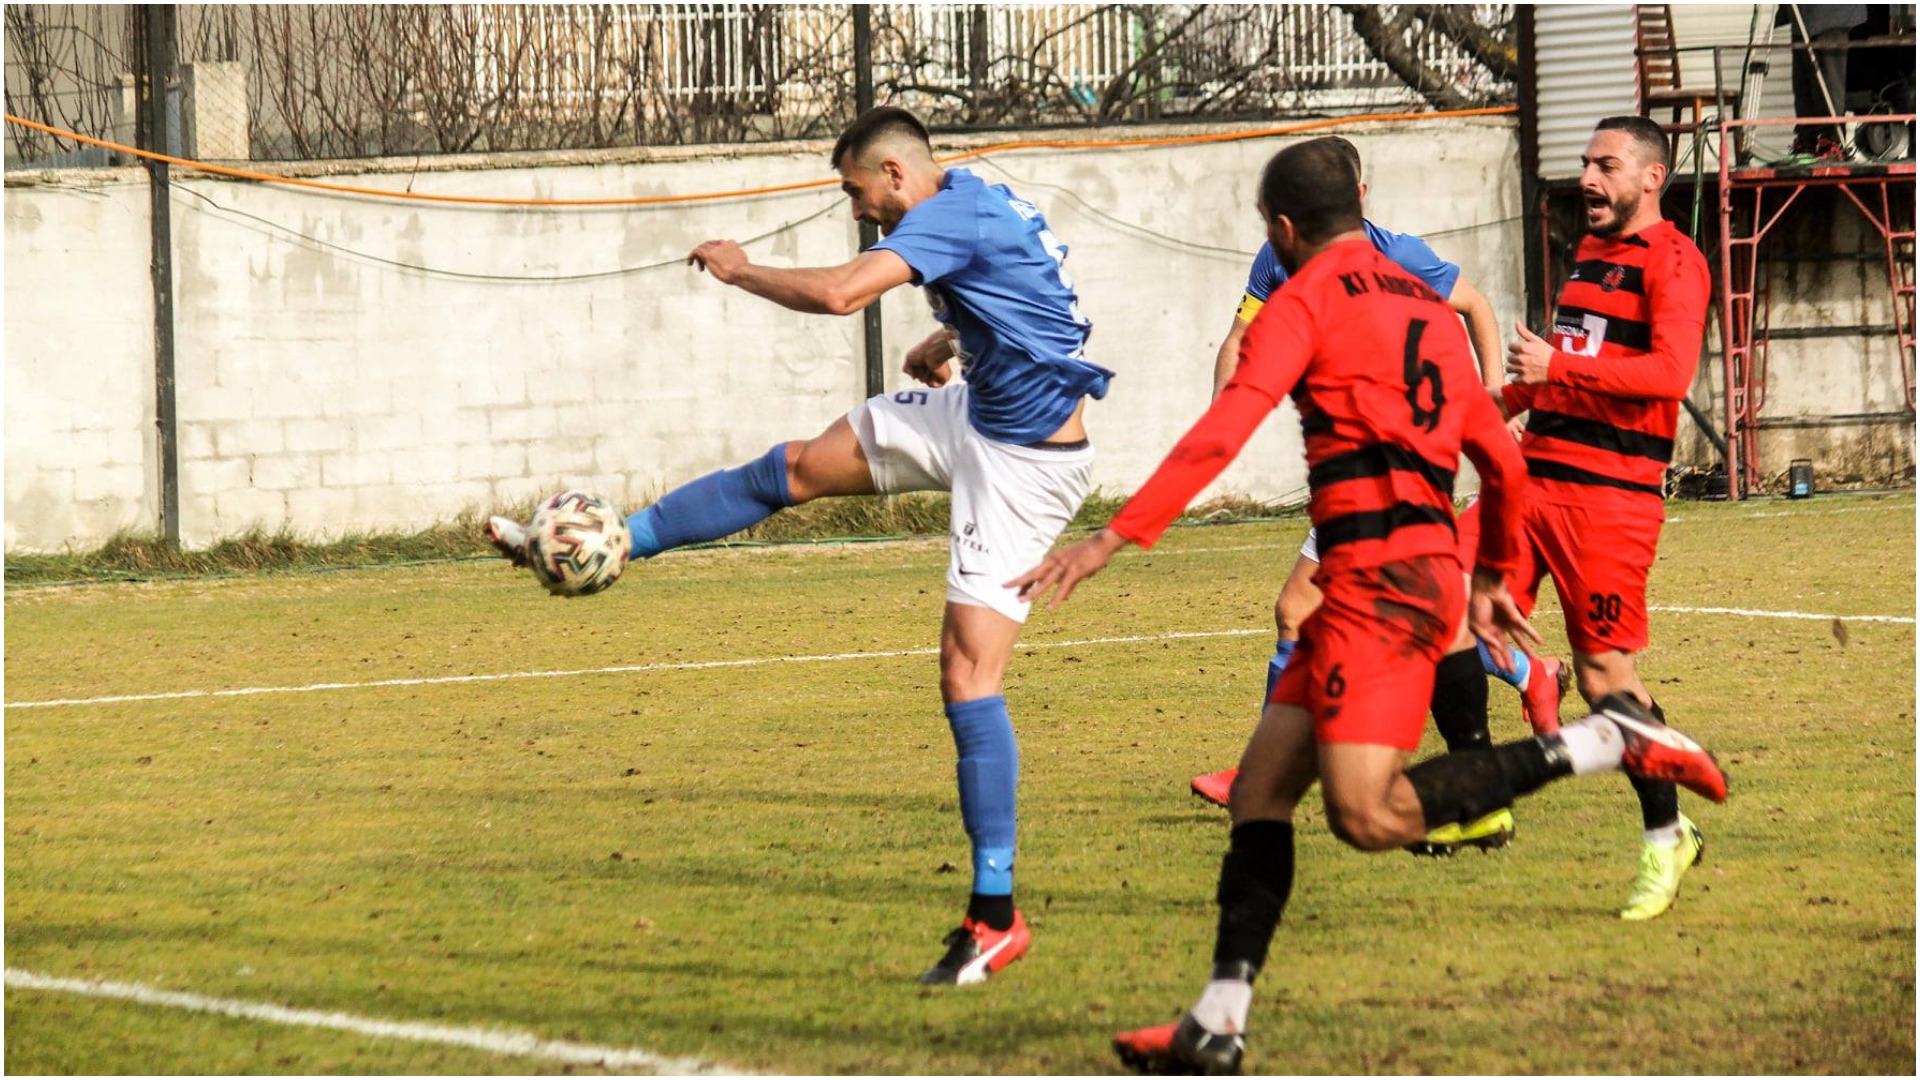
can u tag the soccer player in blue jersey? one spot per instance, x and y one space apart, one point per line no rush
1460 693
999 427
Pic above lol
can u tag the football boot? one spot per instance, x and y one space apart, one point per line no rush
509 538
976 950
1656 751
1547 682
1182 1049
1661 869
1215 787
1490 831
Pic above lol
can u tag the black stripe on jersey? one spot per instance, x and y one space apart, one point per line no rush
1626 333
1600 435
1378 460
1611 276
1376 524
1573 474
1315 421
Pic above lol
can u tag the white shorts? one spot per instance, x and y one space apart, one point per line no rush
1010 503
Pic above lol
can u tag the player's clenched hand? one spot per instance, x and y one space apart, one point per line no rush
1494 617
927 361
724 259
1067 567
1529 357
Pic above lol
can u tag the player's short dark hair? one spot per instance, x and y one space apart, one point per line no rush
1340 143
873 125
1313 184
1645 133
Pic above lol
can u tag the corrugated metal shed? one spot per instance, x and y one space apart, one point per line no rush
1585 72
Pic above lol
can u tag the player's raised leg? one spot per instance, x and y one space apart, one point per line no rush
728 501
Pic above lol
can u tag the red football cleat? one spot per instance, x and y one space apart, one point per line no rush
1659 752
1184 1048
1215 787
1547 682
976 950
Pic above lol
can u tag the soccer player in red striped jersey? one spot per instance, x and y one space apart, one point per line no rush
1460 684
1602 397
1388 396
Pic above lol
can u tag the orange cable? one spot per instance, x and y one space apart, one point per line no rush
644 200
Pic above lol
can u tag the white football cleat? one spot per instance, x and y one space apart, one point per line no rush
509 538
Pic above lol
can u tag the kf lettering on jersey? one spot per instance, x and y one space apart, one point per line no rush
1584 339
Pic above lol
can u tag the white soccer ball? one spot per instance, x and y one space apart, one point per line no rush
578 544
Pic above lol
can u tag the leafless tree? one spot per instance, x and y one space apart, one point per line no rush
360 80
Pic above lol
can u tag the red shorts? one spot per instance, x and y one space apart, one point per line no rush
1598 561
1364 665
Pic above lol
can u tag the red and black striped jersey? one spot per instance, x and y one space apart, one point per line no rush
1626 337
1389 396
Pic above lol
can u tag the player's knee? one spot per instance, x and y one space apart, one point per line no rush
1366 827
963 678
803 472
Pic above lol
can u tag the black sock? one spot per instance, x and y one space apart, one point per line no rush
1659 799
1460 702
1464 787
1256 878
995 911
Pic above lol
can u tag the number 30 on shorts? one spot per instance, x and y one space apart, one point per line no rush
1605 607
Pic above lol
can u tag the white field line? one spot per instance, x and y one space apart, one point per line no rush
626 669
819 658
486 1040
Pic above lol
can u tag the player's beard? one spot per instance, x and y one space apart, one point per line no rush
1622 210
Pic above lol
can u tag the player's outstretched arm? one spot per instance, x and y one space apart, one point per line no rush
1483 329
1228 357
824 290
1066 567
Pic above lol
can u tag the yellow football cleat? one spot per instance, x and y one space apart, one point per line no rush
1491 831
1661 869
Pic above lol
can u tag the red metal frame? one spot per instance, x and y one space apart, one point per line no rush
1744 280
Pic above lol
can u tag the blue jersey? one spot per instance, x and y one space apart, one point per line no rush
1411 252
995 274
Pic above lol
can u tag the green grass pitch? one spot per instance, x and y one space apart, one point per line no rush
750 864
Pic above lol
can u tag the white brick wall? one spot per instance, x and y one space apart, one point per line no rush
331 393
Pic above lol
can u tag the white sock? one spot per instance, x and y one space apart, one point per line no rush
1593 745
1223 1006
1664 836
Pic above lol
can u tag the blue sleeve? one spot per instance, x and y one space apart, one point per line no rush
1420 260
935 238
1267 274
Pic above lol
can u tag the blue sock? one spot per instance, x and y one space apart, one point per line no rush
989 772
1276 667
716 505
1517 680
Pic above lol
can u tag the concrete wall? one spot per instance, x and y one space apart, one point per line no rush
1835 387
328 383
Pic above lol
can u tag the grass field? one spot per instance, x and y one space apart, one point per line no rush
749 864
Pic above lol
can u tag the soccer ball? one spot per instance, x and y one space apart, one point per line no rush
577 544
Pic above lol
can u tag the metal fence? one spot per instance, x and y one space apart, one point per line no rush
305 81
